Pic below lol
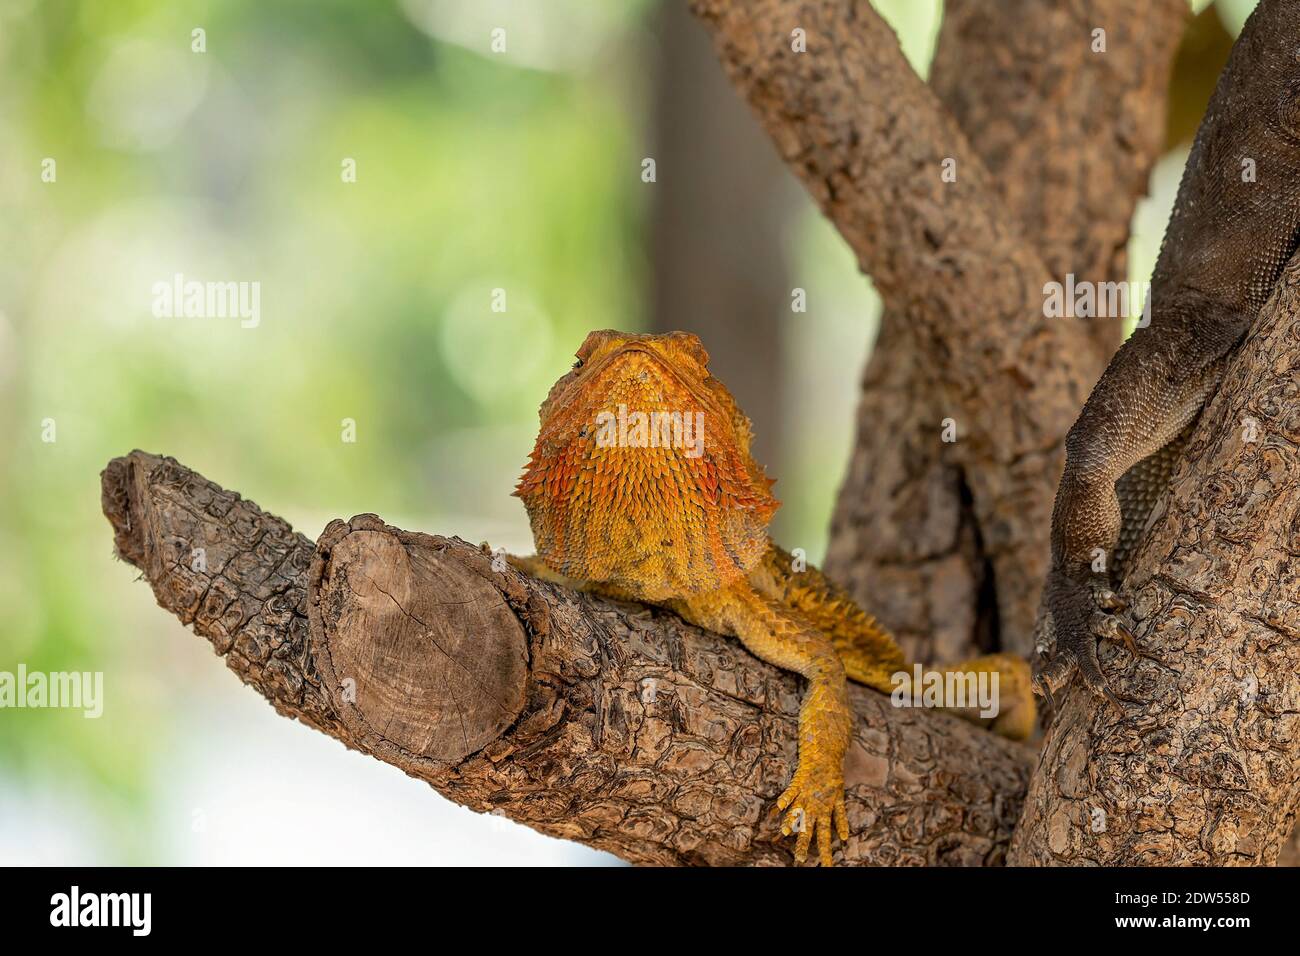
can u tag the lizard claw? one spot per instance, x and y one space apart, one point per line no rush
1051 676
1082 615
1109 600
1112 629
1090 672
814 805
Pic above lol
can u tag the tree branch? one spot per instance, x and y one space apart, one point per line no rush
1207 770
608 724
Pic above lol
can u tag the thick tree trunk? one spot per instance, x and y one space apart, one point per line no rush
608 724
1207 769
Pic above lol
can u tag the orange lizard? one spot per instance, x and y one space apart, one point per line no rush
641 487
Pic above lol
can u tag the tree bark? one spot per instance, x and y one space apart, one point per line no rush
1206 770
1070 136
608 724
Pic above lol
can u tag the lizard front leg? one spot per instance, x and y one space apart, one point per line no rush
534 566
1228 239
1153 388
814 801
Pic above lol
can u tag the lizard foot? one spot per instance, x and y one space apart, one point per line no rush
813 803
1082 614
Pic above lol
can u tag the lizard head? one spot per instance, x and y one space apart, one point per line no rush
641 476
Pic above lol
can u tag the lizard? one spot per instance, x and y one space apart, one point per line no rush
681 522
1234 225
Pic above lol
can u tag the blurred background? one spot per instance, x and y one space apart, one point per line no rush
475 170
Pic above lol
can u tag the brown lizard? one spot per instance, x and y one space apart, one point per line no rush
671 509
1234 226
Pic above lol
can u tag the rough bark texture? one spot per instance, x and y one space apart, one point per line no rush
1207 769
234 573
1070 136
608 724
